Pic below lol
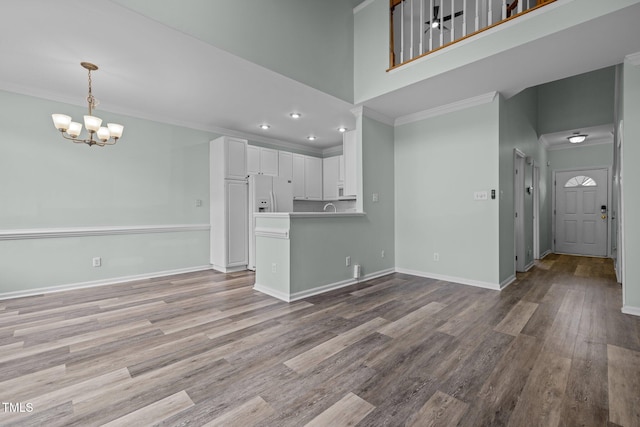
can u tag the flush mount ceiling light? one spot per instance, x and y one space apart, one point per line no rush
311 138
342 129
577 138
295 115
264 126
108 135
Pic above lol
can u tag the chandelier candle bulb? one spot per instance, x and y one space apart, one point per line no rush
74 129
61 121
104 134
92 123
115 130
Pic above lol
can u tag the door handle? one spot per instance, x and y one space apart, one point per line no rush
603 217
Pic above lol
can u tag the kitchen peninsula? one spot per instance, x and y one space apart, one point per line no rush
292 257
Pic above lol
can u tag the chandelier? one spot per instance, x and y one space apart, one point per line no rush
108 135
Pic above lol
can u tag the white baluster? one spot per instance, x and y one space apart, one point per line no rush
464 18
520 5
431 24
504 9
489 13
477 20
411 53
422 26
441 27
402 32
453 21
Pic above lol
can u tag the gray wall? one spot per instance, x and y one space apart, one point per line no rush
577 102
152 177
310 41
440 162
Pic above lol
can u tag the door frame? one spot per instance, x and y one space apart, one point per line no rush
553 203
519 260
536 210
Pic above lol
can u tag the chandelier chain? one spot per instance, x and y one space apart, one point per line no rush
90 98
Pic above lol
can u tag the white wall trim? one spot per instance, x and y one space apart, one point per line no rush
634 311
379 117
336 150
461 280
47 233
529 266
568 145
231 269
633 58
283 296
102 282
445 109
506 282
545 253
320 289
275 233
362 5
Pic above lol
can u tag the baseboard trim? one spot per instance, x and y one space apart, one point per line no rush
461 280
634 311
291 297
103 282
507 281
529 266
545 253
234 269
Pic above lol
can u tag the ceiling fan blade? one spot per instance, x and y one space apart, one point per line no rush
455 15
436 11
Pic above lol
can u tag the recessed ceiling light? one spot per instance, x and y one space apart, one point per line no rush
264 126
295 115
342 129
311 138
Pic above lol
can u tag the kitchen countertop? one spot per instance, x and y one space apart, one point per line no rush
308 214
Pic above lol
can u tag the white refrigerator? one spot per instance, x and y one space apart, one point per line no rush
266 194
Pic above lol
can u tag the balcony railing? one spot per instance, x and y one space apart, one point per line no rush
419 27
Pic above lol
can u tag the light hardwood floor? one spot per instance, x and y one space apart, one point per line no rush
205 349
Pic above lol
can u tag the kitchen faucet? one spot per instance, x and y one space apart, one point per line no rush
330 204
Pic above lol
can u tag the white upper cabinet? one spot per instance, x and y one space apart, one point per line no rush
307 177
350 172
298 176
285 165
313 178
229 158
263 161
330 177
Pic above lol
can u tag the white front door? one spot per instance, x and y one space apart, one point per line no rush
582 212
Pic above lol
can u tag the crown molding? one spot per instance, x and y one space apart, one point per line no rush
362 5
332 151
361 111
445 109
633 58
588 143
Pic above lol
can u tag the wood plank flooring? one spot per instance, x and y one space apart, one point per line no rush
553 349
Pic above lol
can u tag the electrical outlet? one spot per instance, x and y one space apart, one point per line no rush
382 254
274 268
198 203
374 197
347 261
97 261
436 256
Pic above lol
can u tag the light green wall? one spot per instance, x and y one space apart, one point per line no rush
153 176
310 41
518 122
582 157
631 183
577 102
371 39
440 162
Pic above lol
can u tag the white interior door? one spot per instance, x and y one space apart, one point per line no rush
518 193
582 212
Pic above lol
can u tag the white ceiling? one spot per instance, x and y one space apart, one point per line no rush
152 71
602 134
